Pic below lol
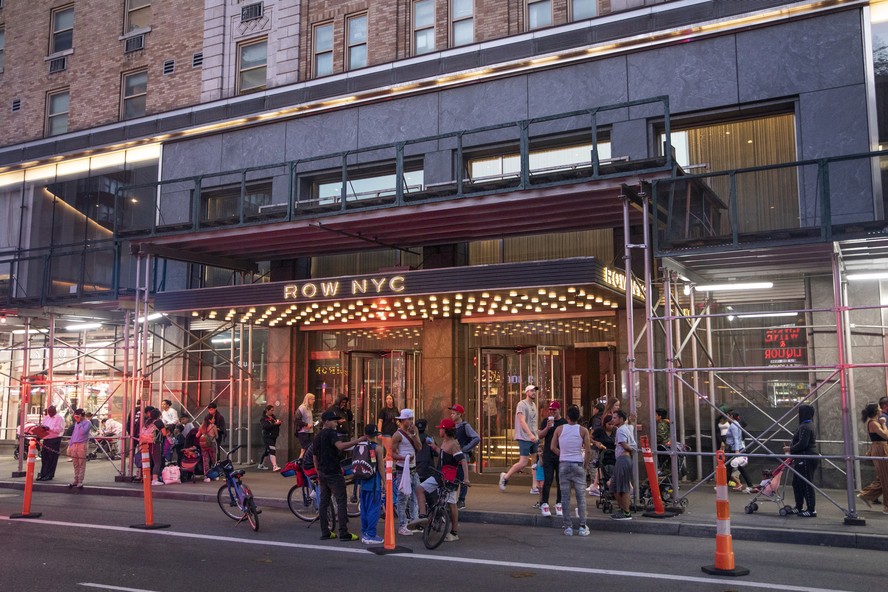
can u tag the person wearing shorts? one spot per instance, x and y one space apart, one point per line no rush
625 453
526 421
452 457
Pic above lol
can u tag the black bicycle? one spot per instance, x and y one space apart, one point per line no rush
438 522
304 499
235 498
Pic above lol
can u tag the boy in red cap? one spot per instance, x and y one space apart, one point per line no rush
468 439
451 457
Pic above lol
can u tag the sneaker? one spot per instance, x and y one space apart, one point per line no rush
885 512
558 510
544 509
328 536
451 537
207 479
503 482
868 503
807 514
156 482
594 492
534 491
262 468
276 469
461 504
404 531
348 538
371 541
583 531
536 505
568 531
621 516
533 466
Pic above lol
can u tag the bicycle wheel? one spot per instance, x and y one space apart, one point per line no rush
229 508
437 527
302 505
252 513
353 509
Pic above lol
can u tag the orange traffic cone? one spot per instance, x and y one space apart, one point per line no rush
724 548
29 483
389 547
146 488
659 508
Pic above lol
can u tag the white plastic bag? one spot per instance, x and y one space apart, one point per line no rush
170 474
405 485
739 461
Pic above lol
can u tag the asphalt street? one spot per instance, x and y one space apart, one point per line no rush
85 543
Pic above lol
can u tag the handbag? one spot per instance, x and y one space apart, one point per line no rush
739 461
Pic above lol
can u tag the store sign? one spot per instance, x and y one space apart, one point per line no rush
786 346
374 286
617 279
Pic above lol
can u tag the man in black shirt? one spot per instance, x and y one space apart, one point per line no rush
344 415
326 452
550 459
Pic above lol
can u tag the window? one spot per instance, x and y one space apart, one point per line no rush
546 160
463 27
135 90
57 112
357 42
423 26
62 30
583 9
252 62
2 45
323 50
138 15
539 13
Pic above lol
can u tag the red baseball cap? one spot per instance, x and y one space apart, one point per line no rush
447 424
554 405
458 408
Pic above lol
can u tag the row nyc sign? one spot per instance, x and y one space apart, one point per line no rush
372 286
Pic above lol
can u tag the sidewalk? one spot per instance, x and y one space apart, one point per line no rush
487 504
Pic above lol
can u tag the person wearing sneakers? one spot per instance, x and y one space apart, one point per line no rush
77 446
406 444
570 444
327 452
737 461
271 429
468 438
804 442
451 457
625 454
548 427
371 490
525 433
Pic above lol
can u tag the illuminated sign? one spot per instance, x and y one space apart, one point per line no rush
374 286
617 279
786 346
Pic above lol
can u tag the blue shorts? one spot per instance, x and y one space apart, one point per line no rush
526 448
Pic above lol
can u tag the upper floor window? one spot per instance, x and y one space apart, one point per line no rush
2 46
62 29
138 14
583 9
57 112
357 42
539 13
423 26
463 27
323 49
135 93
252 65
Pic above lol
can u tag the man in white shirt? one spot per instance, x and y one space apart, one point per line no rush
525 433
169 415
111 428
49 453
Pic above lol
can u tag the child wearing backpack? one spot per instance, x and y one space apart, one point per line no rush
365 466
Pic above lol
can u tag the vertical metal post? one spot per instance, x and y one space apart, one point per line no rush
249 375
695 362
50 370
125 443
852 392
523 127
343 188
848 440
23 404
649 313
630 330
399 173
712 399
234 425
670 373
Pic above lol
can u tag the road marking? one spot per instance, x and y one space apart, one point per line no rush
107 587
735 583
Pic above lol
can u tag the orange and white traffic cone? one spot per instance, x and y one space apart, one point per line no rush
724 548
389 547
29 483
653 484
146 488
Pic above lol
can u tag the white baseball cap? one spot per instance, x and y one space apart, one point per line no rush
406 414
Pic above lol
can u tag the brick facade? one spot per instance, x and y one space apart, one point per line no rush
95 67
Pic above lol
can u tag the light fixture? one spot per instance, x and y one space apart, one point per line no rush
737 286
83 327
687 289
868 275
767 315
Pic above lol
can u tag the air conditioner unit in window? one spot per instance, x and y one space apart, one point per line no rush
58 65
134 44
251 12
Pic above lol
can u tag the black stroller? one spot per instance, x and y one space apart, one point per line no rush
190 464
32 430
605 467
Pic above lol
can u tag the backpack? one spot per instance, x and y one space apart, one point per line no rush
363 465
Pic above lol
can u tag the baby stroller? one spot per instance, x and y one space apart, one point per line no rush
771 490
605 467
190 464
32 430
664 479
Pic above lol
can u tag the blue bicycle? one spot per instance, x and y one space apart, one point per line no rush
235 498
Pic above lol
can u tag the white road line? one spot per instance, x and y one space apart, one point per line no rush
734 583
107 587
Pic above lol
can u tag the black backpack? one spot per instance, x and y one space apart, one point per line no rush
363 462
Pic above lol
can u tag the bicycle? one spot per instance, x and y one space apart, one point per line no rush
438 521
304 498
235 498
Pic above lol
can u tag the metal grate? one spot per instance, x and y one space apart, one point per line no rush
197 60
16 104
169 67
134 44
251 12
58 65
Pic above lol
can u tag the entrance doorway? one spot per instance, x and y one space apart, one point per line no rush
371 375
500 377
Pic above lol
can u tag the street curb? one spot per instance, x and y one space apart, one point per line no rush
603 523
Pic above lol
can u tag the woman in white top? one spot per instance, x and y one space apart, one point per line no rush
305 422
571 443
